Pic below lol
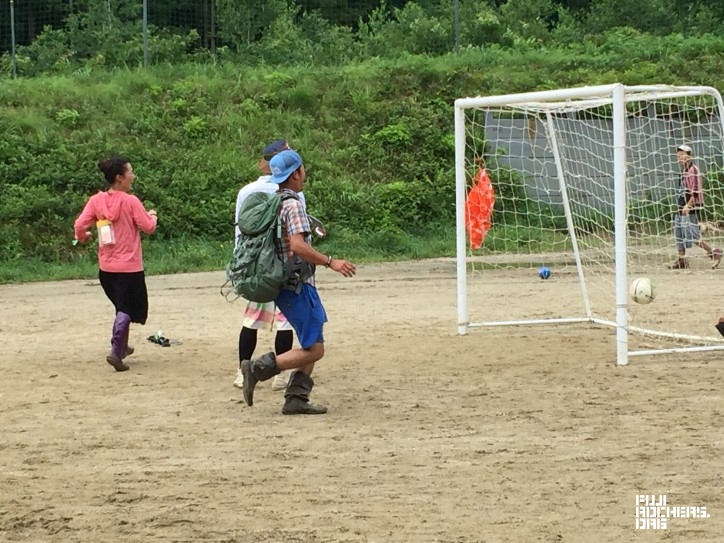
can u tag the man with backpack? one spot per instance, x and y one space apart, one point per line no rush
259 315
298 300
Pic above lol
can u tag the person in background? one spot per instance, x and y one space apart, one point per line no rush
263 316
118 217
690 202
299 301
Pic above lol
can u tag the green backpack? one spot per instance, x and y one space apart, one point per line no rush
256 272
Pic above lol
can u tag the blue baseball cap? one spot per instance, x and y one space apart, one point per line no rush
284 164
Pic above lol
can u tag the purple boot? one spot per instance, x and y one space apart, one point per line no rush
119 341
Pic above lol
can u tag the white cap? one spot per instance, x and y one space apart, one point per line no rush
685 148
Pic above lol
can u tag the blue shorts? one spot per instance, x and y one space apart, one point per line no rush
305 313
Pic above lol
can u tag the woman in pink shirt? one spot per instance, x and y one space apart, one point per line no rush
118 217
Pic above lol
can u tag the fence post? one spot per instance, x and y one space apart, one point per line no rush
456 10
12 40
145 33
213 27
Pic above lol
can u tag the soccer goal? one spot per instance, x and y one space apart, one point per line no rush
586 182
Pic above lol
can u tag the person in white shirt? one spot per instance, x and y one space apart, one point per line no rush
263 316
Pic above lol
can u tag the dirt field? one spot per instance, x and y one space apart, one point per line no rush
517 435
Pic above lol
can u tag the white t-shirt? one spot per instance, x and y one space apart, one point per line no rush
263 184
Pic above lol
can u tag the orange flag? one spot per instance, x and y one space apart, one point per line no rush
479 208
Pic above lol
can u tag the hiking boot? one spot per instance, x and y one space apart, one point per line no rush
680 264
247 382
239 381
298 406
296 397
262 368
281 381
116 362
716 254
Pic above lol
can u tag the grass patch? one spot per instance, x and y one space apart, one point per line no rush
188 255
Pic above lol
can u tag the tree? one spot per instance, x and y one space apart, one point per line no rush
242 22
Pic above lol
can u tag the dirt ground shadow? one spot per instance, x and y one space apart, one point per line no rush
502 435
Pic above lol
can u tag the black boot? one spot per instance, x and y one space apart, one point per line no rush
263 368
296 397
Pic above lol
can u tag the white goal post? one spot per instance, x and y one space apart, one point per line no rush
586 182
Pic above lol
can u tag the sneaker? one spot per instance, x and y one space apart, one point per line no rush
116 362
239 381
716 254
281 381
680 264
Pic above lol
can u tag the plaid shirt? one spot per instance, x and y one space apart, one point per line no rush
691 185
294 221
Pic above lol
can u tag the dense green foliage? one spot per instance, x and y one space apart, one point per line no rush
62 36
366 98
376 158
377 136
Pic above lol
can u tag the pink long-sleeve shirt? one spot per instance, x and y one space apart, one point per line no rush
128 215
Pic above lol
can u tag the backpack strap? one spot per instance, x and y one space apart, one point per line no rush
290 195
298 270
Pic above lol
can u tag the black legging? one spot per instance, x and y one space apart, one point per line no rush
247 342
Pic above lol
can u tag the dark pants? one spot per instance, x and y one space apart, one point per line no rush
127 292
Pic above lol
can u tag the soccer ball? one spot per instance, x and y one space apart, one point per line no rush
544 273
642 291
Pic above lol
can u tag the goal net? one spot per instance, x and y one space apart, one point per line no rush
586 183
